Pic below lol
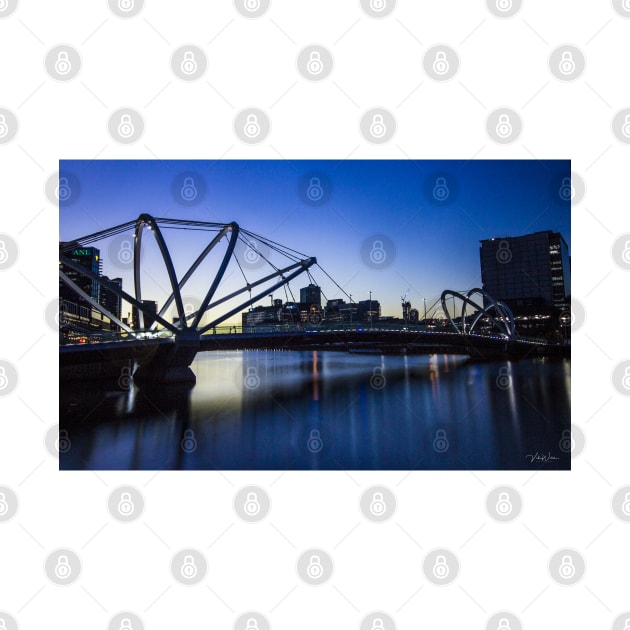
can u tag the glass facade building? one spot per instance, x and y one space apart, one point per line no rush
527 272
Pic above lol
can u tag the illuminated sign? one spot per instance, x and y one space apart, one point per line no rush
82 252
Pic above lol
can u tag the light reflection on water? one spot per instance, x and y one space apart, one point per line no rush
328 410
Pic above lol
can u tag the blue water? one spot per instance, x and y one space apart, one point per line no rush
328 410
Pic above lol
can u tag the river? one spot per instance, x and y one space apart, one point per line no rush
327 410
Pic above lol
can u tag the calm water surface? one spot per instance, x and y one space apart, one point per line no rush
328 410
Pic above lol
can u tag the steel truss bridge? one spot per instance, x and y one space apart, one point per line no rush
168 354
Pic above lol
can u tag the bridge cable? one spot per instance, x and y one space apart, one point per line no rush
334 282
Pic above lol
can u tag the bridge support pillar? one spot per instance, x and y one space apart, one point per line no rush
170 363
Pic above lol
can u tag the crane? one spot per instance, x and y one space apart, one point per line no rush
405 306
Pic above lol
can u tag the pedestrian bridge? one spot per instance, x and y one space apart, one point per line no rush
473 322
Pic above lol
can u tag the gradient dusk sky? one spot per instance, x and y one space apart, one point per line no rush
429 215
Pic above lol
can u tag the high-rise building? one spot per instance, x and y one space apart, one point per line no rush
89 257
75 312
312 294
370 310
152 306
528 273
111 301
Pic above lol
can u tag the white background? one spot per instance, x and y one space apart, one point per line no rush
252 63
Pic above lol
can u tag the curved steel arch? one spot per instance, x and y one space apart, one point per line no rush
504 319
146 220
230 227
500 307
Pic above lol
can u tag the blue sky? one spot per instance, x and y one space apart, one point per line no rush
429 215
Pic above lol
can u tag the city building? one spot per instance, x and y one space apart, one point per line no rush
89 257
109 300
311 294
278 312
365 311
152 306
530 273
369 310
77 316
308 311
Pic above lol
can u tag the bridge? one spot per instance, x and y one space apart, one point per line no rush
164 350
